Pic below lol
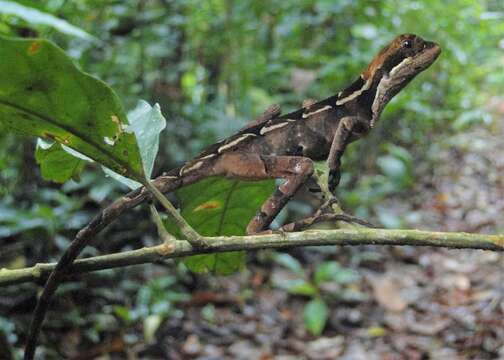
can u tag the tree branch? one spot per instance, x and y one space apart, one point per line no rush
352 237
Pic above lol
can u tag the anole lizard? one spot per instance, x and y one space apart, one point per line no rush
276 146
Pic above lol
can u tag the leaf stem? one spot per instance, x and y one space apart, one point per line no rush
189 233
162 232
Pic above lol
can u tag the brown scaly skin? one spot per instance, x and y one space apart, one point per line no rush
276 146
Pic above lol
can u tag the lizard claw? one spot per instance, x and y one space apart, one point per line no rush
327 206
333 181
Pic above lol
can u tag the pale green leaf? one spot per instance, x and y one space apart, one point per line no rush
298 287
147 122
132 184
289 262
326 271
150 325
36 17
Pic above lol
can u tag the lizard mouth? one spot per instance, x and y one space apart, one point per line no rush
413 65
428 55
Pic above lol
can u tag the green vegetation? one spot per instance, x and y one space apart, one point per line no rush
316 288
212 66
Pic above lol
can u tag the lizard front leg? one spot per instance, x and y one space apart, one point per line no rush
294 169
349 128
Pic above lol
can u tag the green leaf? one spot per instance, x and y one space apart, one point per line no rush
469 118
397 166
147 122
42 93
150 325
376 331
222 264
298 287
332 271
219 206
124 313
55 163
396 170
14 220
401 154
8 329
208 313
326 271
389 219
346 276
365 31
392 166
37 17
315 316
289 262
132 184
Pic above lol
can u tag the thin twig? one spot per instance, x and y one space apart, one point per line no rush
190 234
161 230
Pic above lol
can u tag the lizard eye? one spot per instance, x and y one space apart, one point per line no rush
407 44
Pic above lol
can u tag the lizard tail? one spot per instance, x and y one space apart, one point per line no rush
168 182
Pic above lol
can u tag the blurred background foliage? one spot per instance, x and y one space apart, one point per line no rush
214 65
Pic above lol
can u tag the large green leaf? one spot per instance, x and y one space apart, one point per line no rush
218 206
42 93
60 163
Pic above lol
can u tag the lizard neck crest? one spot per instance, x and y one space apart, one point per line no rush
355 90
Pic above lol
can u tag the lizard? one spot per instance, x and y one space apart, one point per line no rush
275 146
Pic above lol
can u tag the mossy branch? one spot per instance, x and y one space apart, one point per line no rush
181 248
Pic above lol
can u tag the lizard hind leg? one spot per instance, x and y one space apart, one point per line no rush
295 170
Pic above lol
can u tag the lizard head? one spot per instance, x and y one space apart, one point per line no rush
405 57
396 65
